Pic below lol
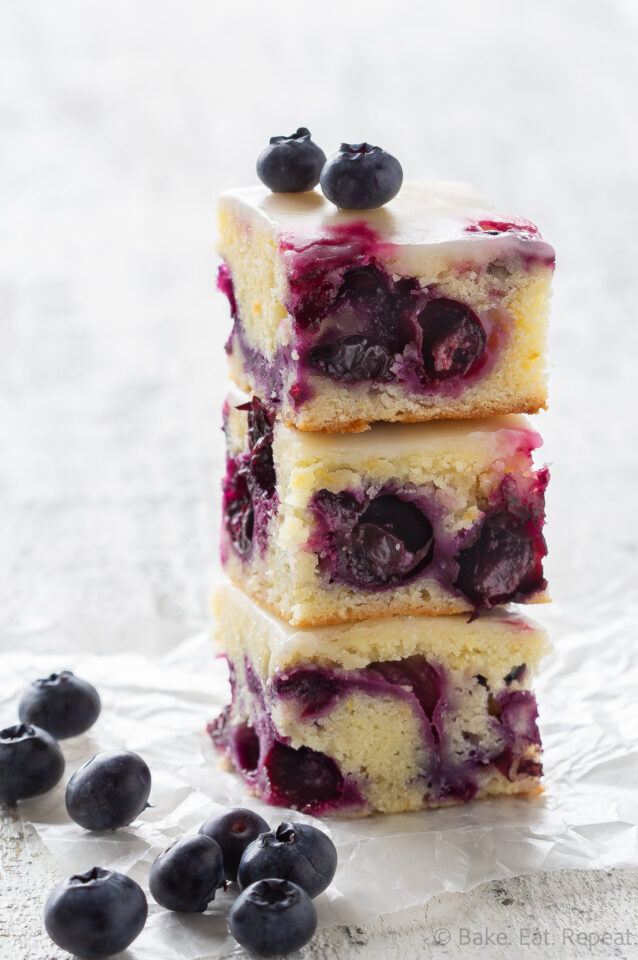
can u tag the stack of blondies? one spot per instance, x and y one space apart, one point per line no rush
380 503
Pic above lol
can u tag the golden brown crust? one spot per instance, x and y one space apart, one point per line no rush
457 408
306 424
366 612
526 405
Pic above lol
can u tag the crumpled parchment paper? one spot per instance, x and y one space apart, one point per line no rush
160 684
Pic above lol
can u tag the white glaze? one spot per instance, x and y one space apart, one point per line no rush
492 437
425 216
282 644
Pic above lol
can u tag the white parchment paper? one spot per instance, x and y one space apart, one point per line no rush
160 684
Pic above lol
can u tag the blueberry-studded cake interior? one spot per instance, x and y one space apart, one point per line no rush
396 536
382 538
369 546
354 322
313 782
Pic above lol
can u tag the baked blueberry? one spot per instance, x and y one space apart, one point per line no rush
291 164
294 851
302 778
272 917
233 831
187 874
62 704
95 914
504 560
351 359
453 338
31 762
109 790
393 540
361 177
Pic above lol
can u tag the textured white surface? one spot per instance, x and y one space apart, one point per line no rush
120 123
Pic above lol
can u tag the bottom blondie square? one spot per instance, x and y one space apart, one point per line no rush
392 714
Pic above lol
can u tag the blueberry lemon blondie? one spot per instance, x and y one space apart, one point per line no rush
392 714
431 518
380 486
433 306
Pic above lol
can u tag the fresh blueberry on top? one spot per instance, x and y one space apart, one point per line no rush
95 914
272 917
361 177
31 762
291 164
233 831
187 874
294 851
109 790
453 338
62 704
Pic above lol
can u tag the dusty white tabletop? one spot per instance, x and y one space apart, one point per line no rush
119 123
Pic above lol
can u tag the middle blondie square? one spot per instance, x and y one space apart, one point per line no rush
440 517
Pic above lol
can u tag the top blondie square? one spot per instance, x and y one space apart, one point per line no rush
434 306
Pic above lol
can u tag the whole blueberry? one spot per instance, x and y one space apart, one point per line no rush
291 164
109 790
294 851
453 338
361 177
392 541
187 874
62 704
95 914
272 917
233 831
31 762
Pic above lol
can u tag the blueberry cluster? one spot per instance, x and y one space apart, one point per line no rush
51 709
278 872
100 912
359 176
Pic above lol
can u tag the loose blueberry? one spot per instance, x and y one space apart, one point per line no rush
501 563
187 874
453 338
272 917
351 359
294 851
109 790
31 762
95 914
392 540
233 831
62 704
361 177
291 164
